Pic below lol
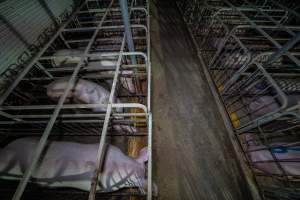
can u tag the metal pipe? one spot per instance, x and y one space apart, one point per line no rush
104 129
284 49
128 33
43 140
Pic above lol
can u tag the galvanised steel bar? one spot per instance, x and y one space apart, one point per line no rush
270 18
13 117
103 28
43 139
286 8
65 121
79 115
284 49
127 26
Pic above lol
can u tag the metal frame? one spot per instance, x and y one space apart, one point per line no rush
50 118
249 50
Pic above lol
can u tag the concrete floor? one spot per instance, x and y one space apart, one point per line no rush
193 156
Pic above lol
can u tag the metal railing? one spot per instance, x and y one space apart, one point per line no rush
250 50
95 32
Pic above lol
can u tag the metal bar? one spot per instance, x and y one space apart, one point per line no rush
75 115
100 155
91 28
286 8
69 106
149 189
43 139
271 18
284 49
67 121
260 29
13 117
127 26
97 55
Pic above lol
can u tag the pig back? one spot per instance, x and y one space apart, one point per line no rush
60 159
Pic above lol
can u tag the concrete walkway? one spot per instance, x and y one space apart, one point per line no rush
193 157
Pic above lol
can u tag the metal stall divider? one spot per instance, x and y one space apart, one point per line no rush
95 38
250 53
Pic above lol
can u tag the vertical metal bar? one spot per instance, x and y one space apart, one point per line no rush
44 137
149 189
260 30
128 33
4 114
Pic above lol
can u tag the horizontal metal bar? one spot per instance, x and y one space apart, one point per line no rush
72 106
76 115
96 121
103 28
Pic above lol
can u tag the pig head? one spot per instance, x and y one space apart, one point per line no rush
69 164
279 159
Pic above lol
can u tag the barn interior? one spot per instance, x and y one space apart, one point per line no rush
149 99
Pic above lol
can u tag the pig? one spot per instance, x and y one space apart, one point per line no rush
283 153
72 165
83 91
87 92
263 105
71 57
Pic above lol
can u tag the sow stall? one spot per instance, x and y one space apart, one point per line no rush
105 44
250 51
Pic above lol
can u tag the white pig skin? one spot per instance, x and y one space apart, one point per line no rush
72 165
83 91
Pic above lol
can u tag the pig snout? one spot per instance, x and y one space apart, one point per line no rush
70 164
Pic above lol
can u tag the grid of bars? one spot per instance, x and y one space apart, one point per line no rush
93 35
251 51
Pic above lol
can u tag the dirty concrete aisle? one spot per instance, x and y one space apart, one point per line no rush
193 157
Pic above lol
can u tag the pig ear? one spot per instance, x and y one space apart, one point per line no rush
143 155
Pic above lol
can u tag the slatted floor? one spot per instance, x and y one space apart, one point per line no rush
193 157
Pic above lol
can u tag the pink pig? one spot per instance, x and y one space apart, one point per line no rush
70 164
